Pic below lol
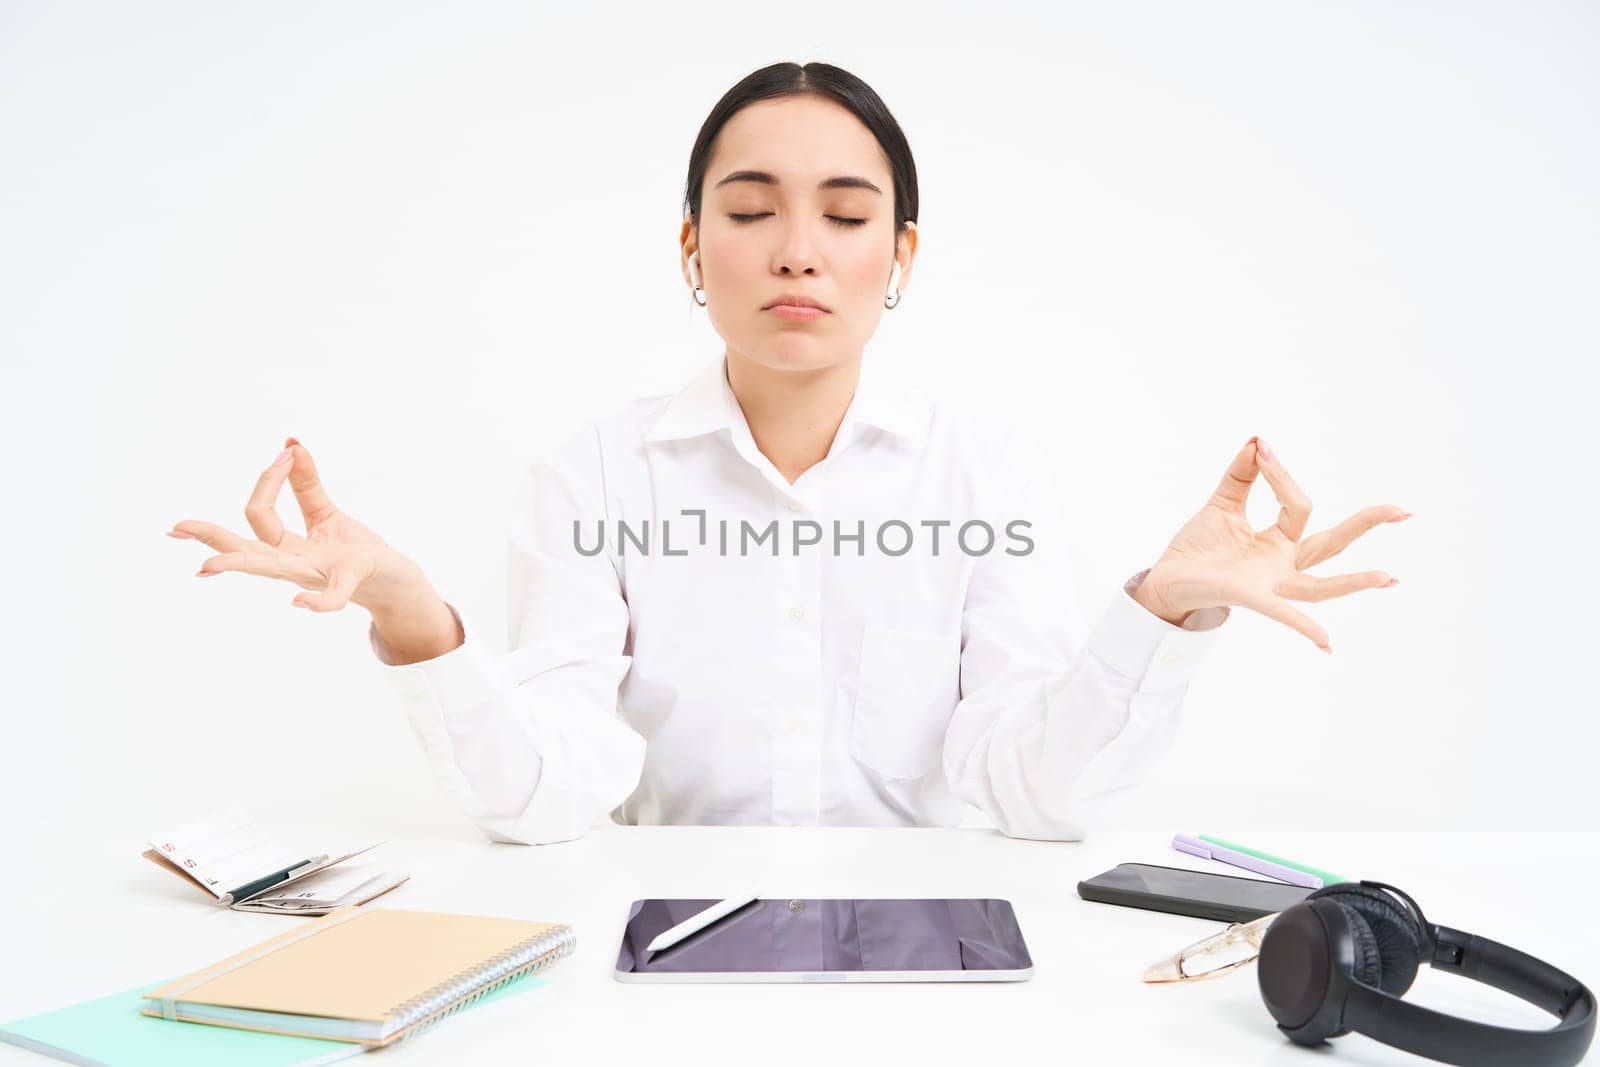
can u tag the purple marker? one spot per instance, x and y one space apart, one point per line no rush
1205 850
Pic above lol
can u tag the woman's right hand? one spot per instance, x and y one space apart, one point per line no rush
338 560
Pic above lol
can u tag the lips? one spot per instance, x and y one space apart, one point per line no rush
794 300
794 313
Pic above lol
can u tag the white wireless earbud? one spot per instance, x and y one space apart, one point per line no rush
891 299
697 294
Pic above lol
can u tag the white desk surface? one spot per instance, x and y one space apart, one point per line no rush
84 916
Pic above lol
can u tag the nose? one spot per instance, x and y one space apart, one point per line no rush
797 253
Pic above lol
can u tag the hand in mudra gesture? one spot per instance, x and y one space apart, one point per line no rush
338 559
1217 559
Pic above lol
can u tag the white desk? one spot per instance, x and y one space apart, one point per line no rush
83 916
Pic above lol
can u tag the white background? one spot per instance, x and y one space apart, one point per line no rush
431 240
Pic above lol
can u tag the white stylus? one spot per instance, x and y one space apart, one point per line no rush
697 922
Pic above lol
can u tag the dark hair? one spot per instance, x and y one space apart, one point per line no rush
819 79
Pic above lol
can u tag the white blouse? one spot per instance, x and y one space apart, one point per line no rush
884 642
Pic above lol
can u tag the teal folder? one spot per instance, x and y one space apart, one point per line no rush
111 1031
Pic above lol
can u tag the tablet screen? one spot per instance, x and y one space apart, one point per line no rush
822 936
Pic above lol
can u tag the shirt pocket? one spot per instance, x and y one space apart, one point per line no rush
908 688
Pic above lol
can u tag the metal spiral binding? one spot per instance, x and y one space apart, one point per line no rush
448 997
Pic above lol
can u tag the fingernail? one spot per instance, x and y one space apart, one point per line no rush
283 457
180 535
1391 581
206 574
302 604
1400 518
1266 453
1326 648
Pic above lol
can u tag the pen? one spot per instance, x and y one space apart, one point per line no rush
1195 847
250 889
697 922
1328 877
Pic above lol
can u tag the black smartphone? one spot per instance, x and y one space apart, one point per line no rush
1183 892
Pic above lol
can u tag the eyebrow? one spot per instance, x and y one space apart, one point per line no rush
763 178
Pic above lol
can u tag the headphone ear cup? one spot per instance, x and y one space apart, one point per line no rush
1368 967
1398 939
1292 971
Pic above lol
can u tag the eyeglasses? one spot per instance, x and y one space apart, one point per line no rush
1218 954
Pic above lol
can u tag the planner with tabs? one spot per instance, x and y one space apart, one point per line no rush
366 975
244 867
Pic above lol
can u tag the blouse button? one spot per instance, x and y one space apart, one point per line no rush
794 505
797 613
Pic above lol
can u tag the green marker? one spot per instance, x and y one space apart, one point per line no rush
1328 877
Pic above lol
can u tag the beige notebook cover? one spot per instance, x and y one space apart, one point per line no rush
386 966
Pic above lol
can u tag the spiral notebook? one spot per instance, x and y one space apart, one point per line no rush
368 975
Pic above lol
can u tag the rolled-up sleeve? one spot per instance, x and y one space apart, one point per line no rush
530 744
1055 721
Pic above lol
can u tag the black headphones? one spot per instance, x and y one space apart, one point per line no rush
1340 959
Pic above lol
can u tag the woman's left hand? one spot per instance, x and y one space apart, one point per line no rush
1217 559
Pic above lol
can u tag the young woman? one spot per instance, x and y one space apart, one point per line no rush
795 592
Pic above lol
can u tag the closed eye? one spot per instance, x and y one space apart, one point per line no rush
835 219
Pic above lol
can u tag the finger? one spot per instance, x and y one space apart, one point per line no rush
1277 608
340 587
1335 539
209 534
262 508
307 485
1311 588
1234 488
1294 506
284 565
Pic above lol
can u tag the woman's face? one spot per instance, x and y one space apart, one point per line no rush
798 200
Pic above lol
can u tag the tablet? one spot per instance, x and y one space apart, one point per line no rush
829 940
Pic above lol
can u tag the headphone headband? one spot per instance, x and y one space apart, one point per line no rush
1452 1039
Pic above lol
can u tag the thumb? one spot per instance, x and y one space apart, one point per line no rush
341 585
